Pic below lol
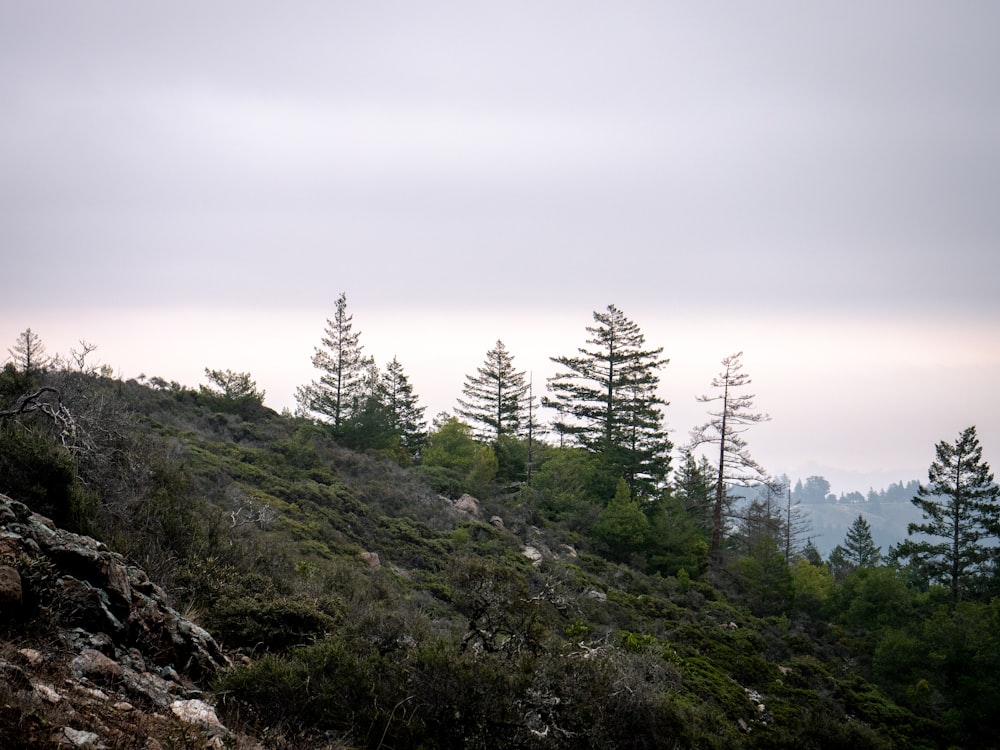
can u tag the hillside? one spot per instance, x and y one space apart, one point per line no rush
889 521
363 603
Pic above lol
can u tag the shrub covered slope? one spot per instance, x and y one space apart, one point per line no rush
363 605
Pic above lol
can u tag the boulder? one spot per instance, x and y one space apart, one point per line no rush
70 737
195 711
533 554
468 504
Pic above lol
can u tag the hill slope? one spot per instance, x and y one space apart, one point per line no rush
361 608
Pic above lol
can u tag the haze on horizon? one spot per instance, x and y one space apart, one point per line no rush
192 186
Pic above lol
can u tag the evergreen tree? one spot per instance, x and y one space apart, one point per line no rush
811 554
961 506
857 552
563 485
725 429
622 526
234 392
764 577
676 542
607 402
406 414
694 488
495 397
839 565
233 386
343 368
859 547
368 423
28 353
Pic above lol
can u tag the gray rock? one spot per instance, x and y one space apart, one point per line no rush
533 554
468 504
195 712
69 737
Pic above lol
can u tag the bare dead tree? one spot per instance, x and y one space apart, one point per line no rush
79 357
47 401
797 525
725 429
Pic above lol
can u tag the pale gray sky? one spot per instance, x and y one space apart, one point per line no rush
193 184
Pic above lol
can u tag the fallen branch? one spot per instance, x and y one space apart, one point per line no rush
60 415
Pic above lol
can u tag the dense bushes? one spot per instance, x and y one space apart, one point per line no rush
42 474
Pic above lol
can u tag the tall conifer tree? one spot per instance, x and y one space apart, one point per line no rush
694 487
961 508
606 399
343 368
859 547
725 430
857 551
496 397
28 353
407 414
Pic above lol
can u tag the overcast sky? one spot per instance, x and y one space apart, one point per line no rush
816 184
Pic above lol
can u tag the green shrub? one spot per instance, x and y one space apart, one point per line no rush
271 624
38 471
320 687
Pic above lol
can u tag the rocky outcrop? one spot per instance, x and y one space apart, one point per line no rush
91 637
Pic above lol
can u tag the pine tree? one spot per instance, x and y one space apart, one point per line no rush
694 488
370 423
28 353
960 506
406 413
622 526
495 397
839 566
342 367
606 400
858 550
725 430
859 547
811 554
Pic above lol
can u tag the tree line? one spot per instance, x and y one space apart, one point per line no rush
605 397
922 614
610 456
